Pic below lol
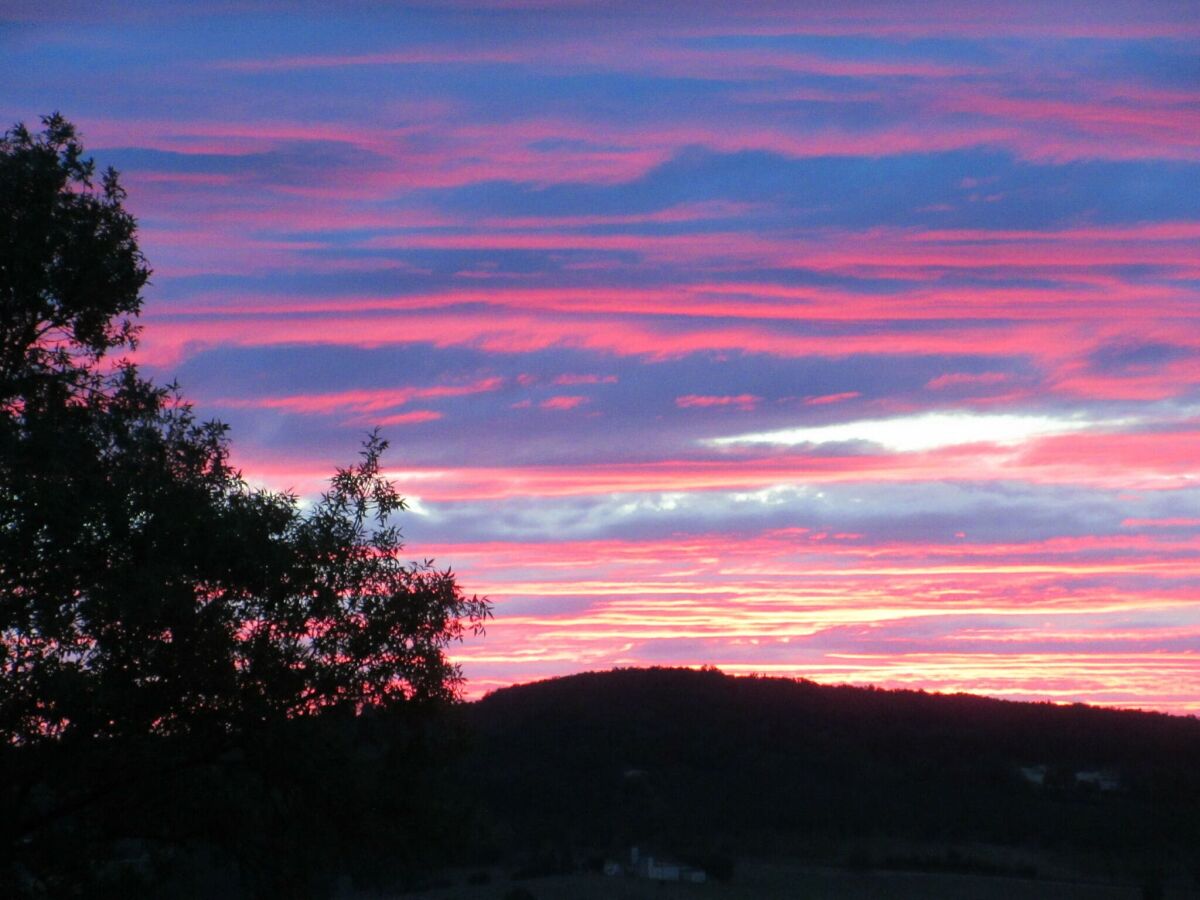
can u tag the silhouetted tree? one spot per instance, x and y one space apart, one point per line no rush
158 616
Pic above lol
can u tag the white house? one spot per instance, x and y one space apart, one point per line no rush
1103 779
663 870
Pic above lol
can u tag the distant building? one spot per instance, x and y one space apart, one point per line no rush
663 869
1034 774
1102 779
1061 778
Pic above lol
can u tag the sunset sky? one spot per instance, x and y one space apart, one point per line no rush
851 341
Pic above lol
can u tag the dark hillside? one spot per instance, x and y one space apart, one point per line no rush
702 762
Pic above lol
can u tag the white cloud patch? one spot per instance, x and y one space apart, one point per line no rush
925 431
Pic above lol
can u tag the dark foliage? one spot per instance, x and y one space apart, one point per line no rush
192 671
704 765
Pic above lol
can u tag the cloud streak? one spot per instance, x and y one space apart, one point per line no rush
859 343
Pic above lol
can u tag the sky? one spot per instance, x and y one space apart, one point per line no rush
851 341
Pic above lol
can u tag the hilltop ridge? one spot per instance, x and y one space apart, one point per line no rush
701 762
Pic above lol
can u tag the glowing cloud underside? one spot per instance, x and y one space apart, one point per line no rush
926 431
858 343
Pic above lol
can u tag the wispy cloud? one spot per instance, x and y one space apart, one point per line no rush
852 341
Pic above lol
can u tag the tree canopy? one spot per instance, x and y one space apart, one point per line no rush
147 592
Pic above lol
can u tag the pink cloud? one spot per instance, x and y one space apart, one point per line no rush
361 401
417 57
966 379
567 380
739 401
563 402
1144 119
410 418
831 398
1010 18
1057 344
1175 522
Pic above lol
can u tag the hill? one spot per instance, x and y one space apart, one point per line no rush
712 767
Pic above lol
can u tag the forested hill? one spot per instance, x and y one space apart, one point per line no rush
700 759
735 713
